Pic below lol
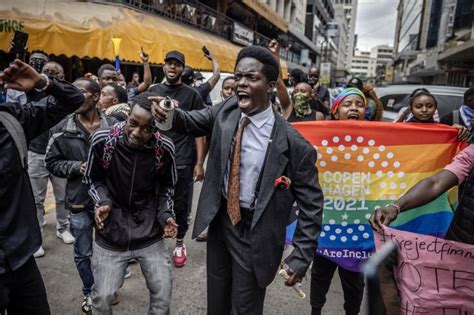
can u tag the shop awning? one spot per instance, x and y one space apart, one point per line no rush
85 29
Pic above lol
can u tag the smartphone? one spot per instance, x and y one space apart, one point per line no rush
205 50
19 41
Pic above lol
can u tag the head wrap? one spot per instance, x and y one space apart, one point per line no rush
345 93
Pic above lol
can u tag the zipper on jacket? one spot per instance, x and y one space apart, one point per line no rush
130 201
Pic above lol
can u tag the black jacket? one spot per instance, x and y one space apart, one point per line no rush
290 155
19 230
39 144
448 119
68 148
141 197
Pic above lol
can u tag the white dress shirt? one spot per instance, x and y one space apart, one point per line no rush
255 140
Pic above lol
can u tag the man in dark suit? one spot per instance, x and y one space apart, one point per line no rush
252 150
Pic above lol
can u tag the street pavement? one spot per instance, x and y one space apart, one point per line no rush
189 287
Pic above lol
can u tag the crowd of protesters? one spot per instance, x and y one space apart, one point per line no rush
113 171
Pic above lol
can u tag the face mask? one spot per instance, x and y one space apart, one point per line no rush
37 64
301 104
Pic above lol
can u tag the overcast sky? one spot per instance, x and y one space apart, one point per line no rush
375 23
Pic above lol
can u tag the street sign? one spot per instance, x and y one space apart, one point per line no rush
325 76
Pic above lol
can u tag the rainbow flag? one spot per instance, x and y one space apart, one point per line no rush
365 165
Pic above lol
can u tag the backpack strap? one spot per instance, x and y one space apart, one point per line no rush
456 119
16 131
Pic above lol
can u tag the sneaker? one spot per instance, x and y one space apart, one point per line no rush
39 253
128 273
86 306
202 237
179 256
66 236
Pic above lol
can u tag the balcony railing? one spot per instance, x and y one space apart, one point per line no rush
200 16
191 13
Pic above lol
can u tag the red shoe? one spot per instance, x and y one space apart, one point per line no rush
179 256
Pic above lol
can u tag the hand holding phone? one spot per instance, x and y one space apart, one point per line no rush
206 52
143 55
18 44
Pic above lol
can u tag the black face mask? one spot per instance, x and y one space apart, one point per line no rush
37 64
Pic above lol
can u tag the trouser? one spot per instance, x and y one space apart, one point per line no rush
109 269
22 291
39 176
232 286
321 276
183 198
82 224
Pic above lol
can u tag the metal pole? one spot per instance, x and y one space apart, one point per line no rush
371 274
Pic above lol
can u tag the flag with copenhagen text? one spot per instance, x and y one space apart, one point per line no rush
365 165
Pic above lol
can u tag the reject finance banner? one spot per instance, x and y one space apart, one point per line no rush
366 165
434 276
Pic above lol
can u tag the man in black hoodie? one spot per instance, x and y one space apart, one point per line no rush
21 286
131 172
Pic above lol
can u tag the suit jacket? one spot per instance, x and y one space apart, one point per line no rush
289 155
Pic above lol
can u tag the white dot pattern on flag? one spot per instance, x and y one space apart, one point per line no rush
380 161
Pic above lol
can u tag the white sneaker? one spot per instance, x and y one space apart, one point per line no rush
66 236
86 306
128 273
39 253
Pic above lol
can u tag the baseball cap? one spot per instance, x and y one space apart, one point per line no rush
198 76
174 54
355 82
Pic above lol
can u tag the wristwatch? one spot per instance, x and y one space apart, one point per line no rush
46 86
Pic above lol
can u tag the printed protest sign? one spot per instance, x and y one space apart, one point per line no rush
434 276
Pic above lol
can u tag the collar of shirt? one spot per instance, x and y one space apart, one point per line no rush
258 120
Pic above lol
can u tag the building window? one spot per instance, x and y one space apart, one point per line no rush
435 18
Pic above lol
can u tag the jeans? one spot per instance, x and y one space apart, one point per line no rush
82 224
39 176
322 273
22 291
109 269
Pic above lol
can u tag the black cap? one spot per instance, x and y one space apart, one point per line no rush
355 82
174 54
198 76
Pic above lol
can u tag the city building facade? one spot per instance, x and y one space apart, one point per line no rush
361 64
319 18
434 42
372 66
284 20
345 16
